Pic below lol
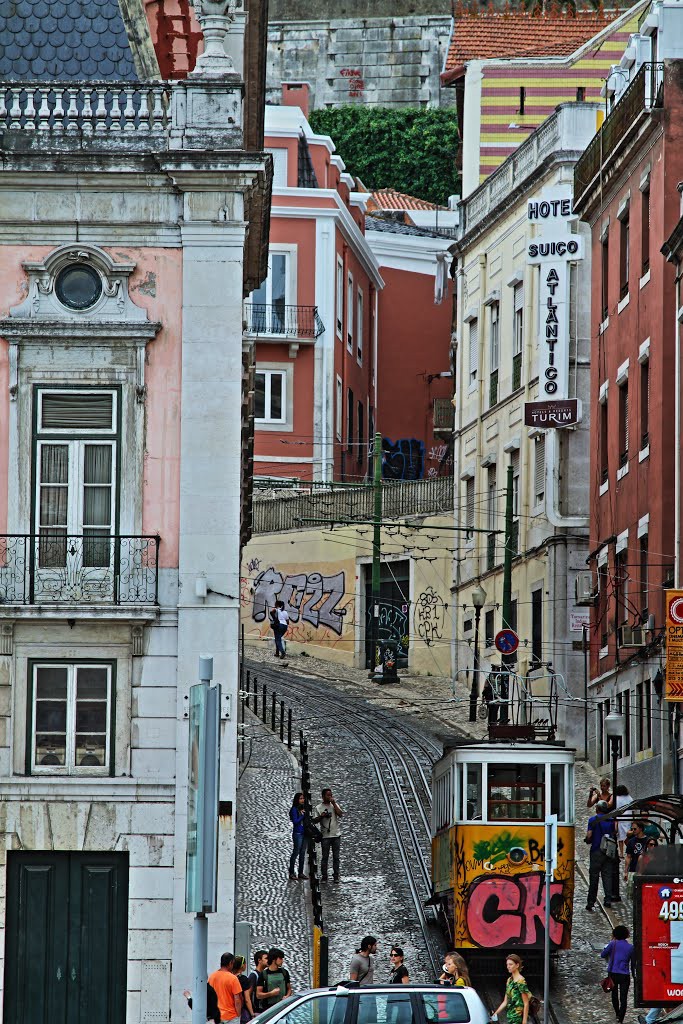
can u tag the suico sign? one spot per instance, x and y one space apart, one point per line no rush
553 248
674 645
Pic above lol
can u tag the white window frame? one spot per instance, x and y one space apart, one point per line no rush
473 354
339 409
339 296
269 373
518 322
349 311
494 337
360 303
539 495
70 767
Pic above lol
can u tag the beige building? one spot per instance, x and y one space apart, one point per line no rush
522 260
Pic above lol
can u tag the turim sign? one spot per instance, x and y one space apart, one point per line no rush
553 249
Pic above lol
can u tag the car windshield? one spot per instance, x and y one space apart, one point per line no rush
273 1011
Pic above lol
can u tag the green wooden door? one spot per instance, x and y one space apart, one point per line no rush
66 931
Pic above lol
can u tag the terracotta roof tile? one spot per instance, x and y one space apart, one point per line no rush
481 35
390 199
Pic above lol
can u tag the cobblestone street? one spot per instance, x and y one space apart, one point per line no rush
372 897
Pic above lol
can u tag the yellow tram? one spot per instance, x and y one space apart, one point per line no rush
489 805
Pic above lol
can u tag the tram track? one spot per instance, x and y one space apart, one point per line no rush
402 758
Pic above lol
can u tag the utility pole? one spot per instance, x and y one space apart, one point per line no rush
376 549
507 659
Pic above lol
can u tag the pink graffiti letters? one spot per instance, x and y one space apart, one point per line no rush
503 910
302 595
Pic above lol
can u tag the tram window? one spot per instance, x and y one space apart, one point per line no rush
473 809
558 803
445 1007
516 792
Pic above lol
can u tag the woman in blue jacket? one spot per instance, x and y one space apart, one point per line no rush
619 956
297 815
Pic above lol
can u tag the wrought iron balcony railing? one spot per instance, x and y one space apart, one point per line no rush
282 321
54 567
443 414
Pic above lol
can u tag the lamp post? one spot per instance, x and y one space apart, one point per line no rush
478 600
615 729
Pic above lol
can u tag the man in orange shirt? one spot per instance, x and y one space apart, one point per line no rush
228 989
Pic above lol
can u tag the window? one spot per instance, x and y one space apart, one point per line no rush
322 1009
448 1009
270 388
580 93
349 419
392 1009
473 793
624 244
621 586
644 578
78 286
339 298
603 745
474 351
517 793
558 803
494 354
279 167
604 443
623 424
469 507
624 708
361 439
489 628
339 410
349 313
522 99
75 478
603 578
517 337
359 327
604 255
644 404
539 469
643 711
69 730
514 462
645 230
268 301
491 516
537 626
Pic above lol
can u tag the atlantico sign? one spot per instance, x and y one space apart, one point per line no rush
553 249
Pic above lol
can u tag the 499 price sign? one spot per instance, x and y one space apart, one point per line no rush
658 940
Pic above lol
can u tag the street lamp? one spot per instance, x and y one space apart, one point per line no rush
615 730
478 600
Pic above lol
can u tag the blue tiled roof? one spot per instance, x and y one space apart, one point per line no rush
64 40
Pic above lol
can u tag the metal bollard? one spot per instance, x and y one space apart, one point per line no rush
282 721
256 696
264 709
289 728
272 711
248 686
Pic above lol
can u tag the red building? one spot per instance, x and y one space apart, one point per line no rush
625 187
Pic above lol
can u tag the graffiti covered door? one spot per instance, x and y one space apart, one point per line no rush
394 608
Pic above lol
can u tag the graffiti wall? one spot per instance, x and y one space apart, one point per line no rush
322 576
499 885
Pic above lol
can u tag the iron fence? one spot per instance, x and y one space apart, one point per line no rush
282 321
404 498
53 567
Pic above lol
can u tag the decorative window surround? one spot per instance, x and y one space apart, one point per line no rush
517 277
622 472
604 229
471 314
644 279
602 555
644 525
621 542
604 388
489 460
604 325
644 453
645 178
644 351
492 298
622 372
513 445
624 302
624 204
604 488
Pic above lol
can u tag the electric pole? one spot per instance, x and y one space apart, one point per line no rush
507 659
376 550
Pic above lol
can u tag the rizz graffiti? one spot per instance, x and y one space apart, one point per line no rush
309 597
403 459
429 616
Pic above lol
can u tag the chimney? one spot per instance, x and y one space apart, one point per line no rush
296 94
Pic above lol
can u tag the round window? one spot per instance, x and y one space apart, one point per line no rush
78 286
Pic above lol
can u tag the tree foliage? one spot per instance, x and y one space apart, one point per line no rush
411 150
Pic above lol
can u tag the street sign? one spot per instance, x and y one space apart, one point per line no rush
201 860
506 641
674 645
558 413
658 940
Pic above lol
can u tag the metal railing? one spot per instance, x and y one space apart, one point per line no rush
517 371
443 414
59 568
105 108
490 551
432 496
282 321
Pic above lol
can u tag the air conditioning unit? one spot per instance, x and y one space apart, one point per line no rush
584 588
631 636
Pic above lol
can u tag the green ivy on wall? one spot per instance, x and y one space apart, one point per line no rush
411 150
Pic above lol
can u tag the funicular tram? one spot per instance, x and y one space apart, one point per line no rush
490 800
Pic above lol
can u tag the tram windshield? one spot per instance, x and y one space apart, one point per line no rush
516 792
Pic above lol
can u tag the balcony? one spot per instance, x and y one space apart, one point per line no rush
490 551
55 568
443 414
277 322
517 371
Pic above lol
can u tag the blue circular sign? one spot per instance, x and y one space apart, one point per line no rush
506 641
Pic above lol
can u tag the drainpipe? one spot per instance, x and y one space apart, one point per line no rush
458 391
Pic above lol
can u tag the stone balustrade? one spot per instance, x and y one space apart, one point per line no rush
104 109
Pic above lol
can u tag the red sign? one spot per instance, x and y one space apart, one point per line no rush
658 940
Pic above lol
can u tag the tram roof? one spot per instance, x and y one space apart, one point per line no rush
458 742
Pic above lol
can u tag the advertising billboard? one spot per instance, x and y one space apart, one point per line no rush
658 940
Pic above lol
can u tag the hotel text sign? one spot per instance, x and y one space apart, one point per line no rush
553 249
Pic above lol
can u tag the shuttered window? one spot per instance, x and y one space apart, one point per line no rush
495 338
623 425
77 410
514 462
474 350
491 502
469 505
519 320
539 469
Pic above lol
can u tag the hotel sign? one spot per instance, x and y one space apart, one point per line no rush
563 413
553 249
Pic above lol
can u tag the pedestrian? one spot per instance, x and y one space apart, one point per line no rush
212 1011
297 816
362 967
260 964
635 846
619 955
604 793
328 814
651 830
601 866
488 696
238 966
622 797
280 627
517 995
398 975
455 972
273 985
228 989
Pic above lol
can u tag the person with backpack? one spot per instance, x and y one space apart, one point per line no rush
601 864
273 985
279 623
212 1011
517 995
620 967
260 964
362 967
238 966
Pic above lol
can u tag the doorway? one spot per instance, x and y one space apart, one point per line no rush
394 609
66 936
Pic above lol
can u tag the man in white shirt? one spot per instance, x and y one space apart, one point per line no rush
328 814
280 627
